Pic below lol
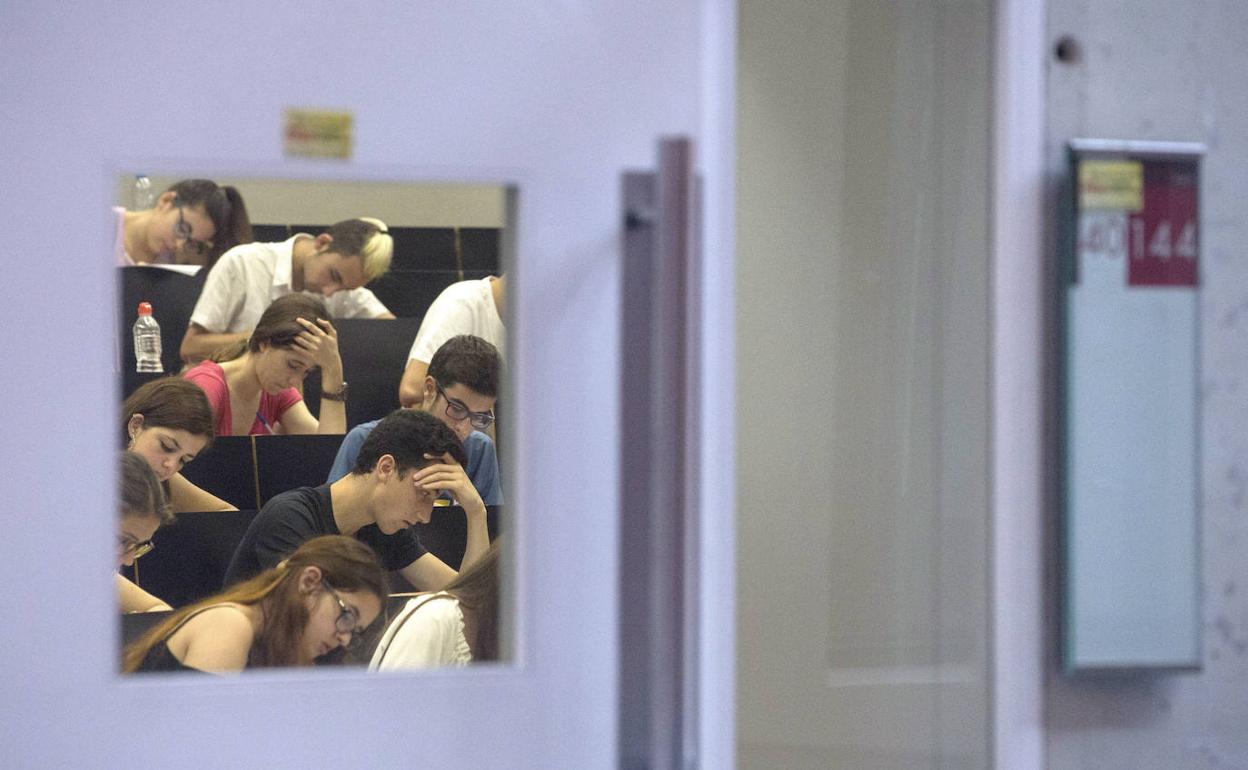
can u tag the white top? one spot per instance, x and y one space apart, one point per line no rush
428 633
248 277
466 307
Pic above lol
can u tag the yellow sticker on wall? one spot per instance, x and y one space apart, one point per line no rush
317 133
1111 184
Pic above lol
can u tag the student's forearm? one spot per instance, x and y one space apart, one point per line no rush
135 599
412 386
478 537
198 345
333 418
333 413
185 496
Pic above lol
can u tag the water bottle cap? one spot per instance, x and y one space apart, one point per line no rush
145 308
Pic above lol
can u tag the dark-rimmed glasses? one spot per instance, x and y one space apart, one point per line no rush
131 548
458 410
183 230
347 617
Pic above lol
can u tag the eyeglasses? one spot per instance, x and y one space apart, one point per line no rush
347 618
458 410
131 548
183 230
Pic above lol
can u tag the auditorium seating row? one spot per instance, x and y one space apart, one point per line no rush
192 555
136 624
246 471
426 261
374 354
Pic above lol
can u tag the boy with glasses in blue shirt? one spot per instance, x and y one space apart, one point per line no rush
460 389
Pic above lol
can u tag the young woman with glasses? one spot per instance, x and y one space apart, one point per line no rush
192 223
252 385
142 511
168 422
318 600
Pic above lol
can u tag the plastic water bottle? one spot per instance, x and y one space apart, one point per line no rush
143 198
147 341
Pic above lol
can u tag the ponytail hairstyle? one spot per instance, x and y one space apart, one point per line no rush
224 206
367 238
169 402
277 327
345 563
140 492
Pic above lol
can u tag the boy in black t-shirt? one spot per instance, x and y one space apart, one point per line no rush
402 466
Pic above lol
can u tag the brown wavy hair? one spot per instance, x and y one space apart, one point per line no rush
476 588
141 493
169 402
345 563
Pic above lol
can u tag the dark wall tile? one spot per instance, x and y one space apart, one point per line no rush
478 249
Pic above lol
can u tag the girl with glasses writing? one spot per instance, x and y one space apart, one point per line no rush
318 600
192 223
142 510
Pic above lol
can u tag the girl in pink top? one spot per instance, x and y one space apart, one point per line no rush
252 386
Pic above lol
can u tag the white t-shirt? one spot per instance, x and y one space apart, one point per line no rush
248 277
428 633
466 307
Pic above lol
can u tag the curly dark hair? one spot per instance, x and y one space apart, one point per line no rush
408 435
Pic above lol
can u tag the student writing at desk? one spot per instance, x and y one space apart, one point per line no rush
252 386
405 463
192 223
460 389
169 422
334 265
320 599
142 511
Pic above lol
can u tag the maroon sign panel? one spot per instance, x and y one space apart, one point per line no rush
1163 235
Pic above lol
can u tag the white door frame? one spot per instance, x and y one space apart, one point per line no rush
1017 537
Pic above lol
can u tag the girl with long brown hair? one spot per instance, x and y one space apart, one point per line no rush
252 386
321 598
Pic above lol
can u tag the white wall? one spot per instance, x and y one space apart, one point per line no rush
1163 70
558 97
315 202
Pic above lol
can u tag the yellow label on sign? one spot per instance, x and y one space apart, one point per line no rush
317 133
1111 184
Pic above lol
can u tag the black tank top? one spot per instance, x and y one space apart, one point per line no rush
161 658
